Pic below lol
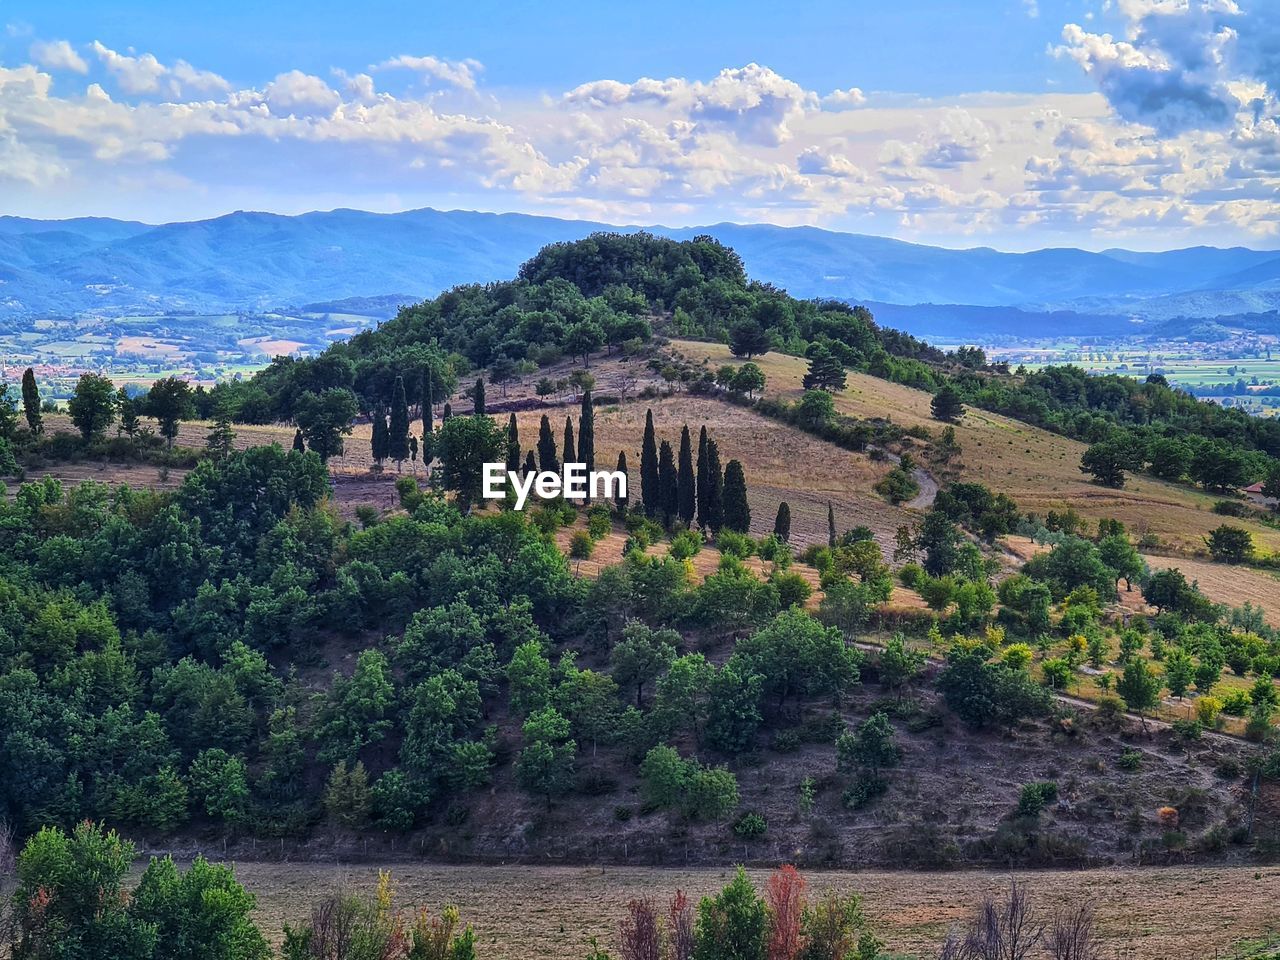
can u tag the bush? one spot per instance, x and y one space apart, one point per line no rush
1130 760
793 588
750 826
599 521
734 544
581 545
1035 797
685 544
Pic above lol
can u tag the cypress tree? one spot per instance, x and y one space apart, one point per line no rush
513 445
447 413
715 495
704 480
547 457
31 401
478 397
649 491
398 430
587 435
128 409
686 496
381 438
530 464
622 469
668 483
428 400
831 525
299 444
782 523
737 512
570 448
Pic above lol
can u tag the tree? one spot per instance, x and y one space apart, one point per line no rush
1228 544
686 482
583 338
641 656
477 397
747 338
128 411
428 403
92 405
826 372
737 511
502 371
817 407
513 445
169 401
1168 458
784 895
1139 687
1107 462
587 432
548 458
324 419
380 437
1122 558
715 496
732 925
623 491
221 439
1179 671
668 484
748 379
782 522
299 443
398 426
703 492
947 404
546 764
200 914
831 526
219 783
31 402
649 486
466 444
570 448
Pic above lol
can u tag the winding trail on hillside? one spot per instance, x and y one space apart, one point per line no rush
928 490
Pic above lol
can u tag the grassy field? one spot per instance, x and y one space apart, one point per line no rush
549 913
1040 470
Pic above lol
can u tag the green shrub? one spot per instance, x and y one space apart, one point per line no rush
1035 797
750 826
581 545
734 544
685 544
599 521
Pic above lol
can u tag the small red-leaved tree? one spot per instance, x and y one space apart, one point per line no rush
638 934
680 927
784 894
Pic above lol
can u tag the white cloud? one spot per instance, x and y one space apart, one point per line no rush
844 99
457 73
58 55
298 92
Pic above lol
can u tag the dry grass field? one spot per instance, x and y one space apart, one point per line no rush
1040 470
549 913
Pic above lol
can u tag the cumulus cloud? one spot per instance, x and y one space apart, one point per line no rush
457 73
844 99
146 74
298 92
58 55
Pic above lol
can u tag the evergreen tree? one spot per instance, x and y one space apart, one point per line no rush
703 493
622 469
513 445
587 434
831 525
398 429
31 401
686 491
478 397
447 412
530 464
668 483
221 440
782 523
946 404
570 448
737 512
381 436
428 402
826 372
299 444
715 497
649 490
548 459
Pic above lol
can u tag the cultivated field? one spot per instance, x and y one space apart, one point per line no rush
1040 470
549 913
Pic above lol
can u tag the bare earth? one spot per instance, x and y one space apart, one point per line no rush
549 913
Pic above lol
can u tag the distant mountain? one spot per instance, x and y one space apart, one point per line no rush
255 261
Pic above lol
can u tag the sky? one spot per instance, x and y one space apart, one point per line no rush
1016 124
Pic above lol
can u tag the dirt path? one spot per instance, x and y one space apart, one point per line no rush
928 490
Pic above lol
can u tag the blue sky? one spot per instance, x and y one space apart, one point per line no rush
1012 123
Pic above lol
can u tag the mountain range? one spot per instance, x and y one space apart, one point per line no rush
259 261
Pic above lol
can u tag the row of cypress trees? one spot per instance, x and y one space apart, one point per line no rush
673 490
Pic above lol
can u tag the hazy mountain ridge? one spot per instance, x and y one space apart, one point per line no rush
255 261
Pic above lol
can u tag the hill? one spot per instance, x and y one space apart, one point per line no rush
258 261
